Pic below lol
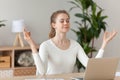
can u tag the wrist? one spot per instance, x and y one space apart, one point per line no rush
103 45
34 49
31 43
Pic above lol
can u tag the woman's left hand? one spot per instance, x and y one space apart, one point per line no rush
108 36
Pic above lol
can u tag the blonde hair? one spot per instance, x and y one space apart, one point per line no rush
53 19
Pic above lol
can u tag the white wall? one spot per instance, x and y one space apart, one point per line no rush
36 14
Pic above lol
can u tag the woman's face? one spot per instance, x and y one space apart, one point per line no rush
62 23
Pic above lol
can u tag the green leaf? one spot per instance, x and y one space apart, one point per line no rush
84 17
94 6
1 23
76 5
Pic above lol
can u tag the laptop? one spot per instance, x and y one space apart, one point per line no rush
100 69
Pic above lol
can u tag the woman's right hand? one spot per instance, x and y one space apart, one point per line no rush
27 37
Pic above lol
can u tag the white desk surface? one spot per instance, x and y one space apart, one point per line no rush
52 77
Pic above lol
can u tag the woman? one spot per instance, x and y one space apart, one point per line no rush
58 54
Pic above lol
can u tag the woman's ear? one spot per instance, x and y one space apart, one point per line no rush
53 25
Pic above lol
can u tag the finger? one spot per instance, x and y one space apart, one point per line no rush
24 29
24 32
113 35
106 34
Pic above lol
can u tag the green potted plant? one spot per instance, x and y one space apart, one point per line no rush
91 23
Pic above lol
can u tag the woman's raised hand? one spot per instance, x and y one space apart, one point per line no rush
108 36
27 37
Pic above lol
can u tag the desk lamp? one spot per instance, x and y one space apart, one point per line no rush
17 27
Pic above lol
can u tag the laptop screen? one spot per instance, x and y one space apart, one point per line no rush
100 69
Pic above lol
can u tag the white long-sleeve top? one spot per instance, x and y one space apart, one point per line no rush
53 60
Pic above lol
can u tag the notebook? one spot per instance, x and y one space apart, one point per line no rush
100 69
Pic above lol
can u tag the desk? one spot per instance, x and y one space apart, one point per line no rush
51 77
